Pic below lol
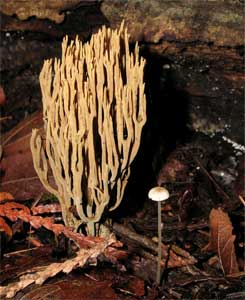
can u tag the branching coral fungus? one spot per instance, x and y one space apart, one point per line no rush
94 108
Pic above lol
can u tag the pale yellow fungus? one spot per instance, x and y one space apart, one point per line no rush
94 108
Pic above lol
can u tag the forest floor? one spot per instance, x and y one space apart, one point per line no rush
206 206
202 221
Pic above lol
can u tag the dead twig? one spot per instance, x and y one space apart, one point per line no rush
19 252
210 177
175 256
5 118
242 199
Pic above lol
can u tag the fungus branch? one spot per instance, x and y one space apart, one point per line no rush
94 108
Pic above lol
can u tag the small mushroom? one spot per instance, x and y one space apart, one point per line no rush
159 194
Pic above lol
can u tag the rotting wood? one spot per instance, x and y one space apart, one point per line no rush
147 248
200 47
212 21
53 10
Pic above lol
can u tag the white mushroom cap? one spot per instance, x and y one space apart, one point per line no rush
158 193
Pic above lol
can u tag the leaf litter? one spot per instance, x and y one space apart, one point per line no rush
187 217
82 257
222 241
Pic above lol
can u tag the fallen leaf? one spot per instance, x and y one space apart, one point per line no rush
69 289
83 256
17 171
222 241
5 227
6 196
136 286
115 255
14 211
2 96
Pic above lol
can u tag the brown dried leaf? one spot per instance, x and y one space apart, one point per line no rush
14 211
222 241
19 175
136 286
5 227
2 96
82 288
114 255
82 241
5 196
83 256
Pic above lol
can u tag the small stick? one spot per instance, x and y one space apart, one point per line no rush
213 181
19 251
5 118
242 199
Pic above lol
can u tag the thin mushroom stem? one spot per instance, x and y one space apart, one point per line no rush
159 194
158 278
